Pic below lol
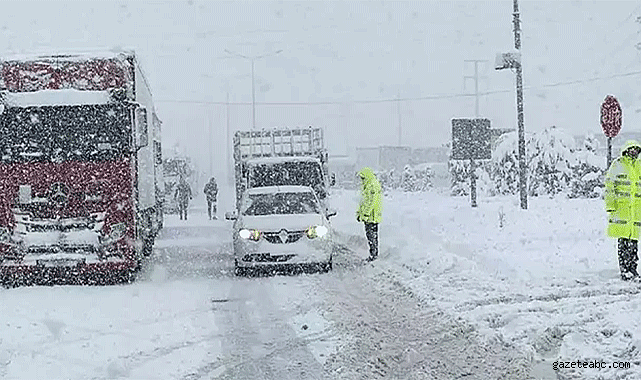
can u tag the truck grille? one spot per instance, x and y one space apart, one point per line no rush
276 238
267 258
50 227
67 248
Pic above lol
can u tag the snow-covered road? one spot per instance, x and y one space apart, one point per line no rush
488 293
187 317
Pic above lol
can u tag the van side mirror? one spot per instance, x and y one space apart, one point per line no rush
142 129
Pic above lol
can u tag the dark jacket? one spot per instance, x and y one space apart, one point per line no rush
211 190
183 192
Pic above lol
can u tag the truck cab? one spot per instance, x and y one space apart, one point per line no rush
80 168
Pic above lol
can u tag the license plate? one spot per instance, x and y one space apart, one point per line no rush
58 263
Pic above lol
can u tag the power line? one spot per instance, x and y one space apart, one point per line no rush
391 100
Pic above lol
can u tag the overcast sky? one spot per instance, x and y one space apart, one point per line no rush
343 63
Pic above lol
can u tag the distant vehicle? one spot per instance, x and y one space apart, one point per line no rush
80 168
175 168
282 156
281 228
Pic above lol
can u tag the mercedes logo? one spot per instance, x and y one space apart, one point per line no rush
59 193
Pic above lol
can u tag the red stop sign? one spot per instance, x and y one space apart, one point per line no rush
611 116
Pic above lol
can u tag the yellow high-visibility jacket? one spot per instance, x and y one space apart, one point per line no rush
370 209
623 196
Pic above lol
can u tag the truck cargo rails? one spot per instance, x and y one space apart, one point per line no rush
281 156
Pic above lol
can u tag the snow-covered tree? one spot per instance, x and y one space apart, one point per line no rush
423 176
459 170
551 163
554 166
504 166
460 174
408 179
590 143
588 172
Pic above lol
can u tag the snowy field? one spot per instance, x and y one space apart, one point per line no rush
541 282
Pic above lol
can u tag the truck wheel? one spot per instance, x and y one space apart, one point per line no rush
147 247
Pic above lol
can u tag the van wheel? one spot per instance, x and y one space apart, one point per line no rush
238 270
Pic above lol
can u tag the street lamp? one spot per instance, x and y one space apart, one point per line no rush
512 60
252 59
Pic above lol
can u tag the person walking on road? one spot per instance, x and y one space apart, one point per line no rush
370 209
623 205
211 192
183 196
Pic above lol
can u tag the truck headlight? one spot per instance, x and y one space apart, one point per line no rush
316 231
5 235
117 232
249 234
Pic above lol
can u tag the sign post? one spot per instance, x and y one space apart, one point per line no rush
471 141
611 120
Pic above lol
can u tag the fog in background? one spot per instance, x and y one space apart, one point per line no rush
343 65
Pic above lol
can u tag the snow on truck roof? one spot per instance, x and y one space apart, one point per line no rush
70 55
280 189
278 160
55 97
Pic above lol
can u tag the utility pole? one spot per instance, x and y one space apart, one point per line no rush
519 107
477 115
253 96
476 80
208 120
228 151
398 111
512 60
252 59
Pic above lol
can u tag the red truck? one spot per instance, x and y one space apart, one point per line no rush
81 174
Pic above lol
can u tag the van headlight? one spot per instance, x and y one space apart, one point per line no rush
249 234
316 231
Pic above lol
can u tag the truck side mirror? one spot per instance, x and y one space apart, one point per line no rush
142 129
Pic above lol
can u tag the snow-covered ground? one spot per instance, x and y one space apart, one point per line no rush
545 279
524 287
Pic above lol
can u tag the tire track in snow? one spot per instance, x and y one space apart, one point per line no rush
515 299
259 343
396 335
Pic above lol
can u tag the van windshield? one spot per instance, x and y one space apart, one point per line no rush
281 203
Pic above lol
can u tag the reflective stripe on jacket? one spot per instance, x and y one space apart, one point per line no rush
623 198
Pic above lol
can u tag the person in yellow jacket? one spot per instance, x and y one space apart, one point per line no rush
370 208
623 205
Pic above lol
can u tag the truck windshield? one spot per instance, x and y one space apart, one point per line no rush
306 173
281 203
64 133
